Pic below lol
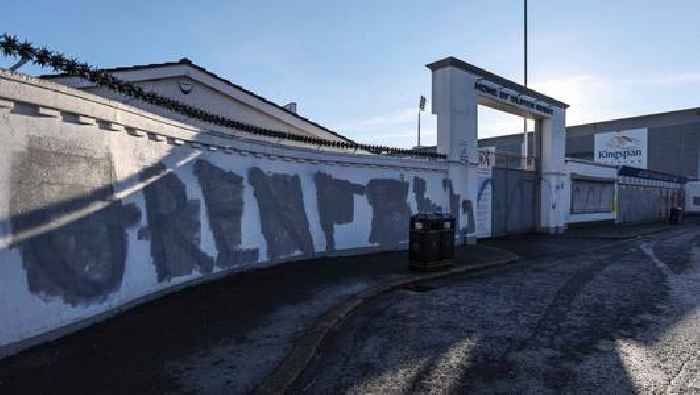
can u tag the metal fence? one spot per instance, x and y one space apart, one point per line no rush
507 160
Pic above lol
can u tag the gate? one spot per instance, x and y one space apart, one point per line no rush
648 199
514 198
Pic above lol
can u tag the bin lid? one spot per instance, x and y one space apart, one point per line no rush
431 216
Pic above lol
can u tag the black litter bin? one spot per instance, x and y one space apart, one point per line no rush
431 241
675 215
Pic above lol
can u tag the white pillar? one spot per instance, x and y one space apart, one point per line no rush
553 202
455 103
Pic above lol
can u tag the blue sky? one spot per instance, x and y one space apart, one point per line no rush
359 67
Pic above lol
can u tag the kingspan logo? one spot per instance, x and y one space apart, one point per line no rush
617 155
621 148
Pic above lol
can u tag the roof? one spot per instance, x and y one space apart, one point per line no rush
692 110
186 61
451 61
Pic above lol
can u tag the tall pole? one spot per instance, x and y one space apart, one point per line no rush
418 128
525 145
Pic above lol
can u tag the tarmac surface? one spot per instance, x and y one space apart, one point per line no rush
220 337
574 316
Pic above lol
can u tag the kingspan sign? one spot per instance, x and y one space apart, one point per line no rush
626 147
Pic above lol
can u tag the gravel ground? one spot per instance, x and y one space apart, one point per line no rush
620 319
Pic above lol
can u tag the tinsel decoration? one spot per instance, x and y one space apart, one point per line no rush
10 46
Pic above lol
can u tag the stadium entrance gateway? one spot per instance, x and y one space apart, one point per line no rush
533 186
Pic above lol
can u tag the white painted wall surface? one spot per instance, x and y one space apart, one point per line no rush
37 316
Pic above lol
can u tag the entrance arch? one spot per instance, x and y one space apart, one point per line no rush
457 89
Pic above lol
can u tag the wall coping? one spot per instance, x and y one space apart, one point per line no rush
55 99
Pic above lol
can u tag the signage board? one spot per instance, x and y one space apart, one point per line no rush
625 147
484 198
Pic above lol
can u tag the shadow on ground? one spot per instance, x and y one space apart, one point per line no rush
622 319
221 336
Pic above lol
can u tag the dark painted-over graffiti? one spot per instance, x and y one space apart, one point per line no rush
336 203
390 211
423 203
223 196
282 216
465 222
468 213
81 261
454 197
173 225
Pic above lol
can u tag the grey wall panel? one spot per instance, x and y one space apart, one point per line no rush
580 147
514 194
674 149
646 203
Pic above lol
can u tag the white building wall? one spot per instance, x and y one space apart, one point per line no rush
103 206
590 169
208 92
207 98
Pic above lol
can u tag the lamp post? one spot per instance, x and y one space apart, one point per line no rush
421 107
525 145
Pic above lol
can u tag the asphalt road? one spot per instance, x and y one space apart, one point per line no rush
619 319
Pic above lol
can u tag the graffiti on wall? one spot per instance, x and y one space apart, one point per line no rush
336 203
83 261
390 211
282 215
423 203
174 227
223 199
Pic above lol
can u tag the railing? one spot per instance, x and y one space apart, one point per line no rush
10 46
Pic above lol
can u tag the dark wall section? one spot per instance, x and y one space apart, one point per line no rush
514 206
390 211
580 147
83 261
173 225
223 197
512 143
282 216
423 203
645 203
673 140
336 203
674 149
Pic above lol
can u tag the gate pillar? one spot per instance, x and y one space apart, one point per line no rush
554 198
454 101
458 88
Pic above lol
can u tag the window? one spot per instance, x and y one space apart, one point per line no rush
592 196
